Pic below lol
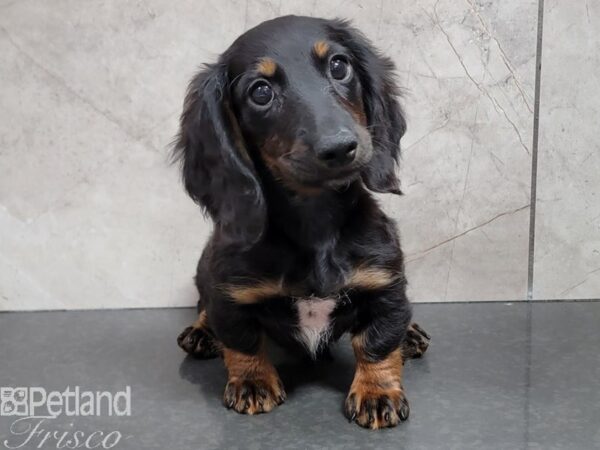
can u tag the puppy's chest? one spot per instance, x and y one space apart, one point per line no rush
314 313
314 323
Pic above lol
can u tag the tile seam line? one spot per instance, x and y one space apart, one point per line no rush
534 150
192 307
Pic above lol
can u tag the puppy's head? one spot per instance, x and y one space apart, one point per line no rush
308 99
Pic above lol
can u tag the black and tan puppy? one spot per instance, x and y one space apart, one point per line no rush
281 142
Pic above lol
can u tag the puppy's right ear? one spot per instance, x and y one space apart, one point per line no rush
217 170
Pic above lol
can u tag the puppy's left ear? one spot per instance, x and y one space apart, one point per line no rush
217 170
385 117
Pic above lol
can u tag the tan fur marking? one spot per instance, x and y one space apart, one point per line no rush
388 371
266 67
372 278
256 370
200 321
321 48
356 110
376 380
241 365
255 293
272 152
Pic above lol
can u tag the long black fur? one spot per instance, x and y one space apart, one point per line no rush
263 229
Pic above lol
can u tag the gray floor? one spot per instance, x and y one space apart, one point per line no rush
497 376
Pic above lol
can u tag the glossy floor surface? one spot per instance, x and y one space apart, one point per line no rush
497 376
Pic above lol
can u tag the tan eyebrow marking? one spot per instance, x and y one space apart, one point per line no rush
321 48
266 67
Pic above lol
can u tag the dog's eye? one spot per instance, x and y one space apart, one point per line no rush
261 93
339 68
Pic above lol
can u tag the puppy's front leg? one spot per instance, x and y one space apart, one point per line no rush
253 386
376 398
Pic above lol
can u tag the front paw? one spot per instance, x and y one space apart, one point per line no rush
253 396
378 408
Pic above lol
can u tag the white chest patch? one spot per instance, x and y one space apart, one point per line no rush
314 328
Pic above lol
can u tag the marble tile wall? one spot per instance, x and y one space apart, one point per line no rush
567 233
93 216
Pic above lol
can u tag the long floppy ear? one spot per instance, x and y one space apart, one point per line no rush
217 170
385 117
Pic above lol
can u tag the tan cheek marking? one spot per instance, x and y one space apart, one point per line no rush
272 147
321 48
271 150
255 293
266 67
356 111
372 278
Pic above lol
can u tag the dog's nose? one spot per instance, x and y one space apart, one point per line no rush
338 149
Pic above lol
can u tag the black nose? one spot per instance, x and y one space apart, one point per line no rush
338 149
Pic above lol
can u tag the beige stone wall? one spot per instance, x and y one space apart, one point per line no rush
92 215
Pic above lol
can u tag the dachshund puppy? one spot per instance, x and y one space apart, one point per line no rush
282 142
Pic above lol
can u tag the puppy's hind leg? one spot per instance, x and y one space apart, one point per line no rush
416 342
199 341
